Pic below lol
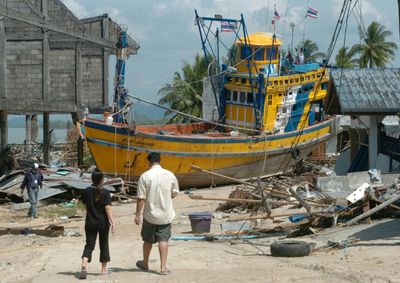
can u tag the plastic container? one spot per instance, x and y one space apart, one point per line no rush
200 222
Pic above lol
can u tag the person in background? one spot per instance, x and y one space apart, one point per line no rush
33 181
99 220
156 188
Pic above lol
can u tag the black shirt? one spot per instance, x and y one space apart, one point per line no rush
96 210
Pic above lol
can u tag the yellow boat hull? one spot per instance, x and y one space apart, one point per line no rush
119 150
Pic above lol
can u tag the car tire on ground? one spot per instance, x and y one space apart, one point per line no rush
291 248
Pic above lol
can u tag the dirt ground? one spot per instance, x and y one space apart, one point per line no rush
40 259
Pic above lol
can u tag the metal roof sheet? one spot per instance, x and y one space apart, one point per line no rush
368 90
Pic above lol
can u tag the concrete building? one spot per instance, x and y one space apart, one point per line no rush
53 62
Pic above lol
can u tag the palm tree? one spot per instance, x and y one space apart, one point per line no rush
310 50
345 58
184 94
375 50
231 59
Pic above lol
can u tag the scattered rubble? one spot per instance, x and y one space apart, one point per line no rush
295 205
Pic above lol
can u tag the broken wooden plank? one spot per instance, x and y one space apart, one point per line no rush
272 191
292 190
374 210
240 218
276 202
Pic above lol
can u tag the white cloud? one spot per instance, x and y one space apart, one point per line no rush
76 8
160 9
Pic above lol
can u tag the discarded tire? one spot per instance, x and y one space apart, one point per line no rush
291 248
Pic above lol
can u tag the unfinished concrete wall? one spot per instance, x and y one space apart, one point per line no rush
44 68
24 70
62 76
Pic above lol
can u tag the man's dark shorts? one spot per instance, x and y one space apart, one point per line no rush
152 233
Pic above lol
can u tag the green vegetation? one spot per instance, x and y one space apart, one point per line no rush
231 58
373 51
345 58
184 94
310 50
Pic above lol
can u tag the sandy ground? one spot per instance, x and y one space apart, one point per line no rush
40 259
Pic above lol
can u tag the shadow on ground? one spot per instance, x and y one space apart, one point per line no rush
388 230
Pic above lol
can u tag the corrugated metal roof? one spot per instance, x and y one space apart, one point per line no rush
369 90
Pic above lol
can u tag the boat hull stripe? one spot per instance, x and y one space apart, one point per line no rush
205 154
214 140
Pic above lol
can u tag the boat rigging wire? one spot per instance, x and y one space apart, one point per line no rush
344 11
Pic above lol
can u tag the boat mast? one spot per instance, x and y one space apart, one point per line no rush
121 101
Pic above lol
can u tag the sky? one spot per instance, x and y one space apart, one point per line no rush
167 35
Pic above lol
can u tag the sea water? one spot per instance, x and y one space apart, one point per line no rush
18 135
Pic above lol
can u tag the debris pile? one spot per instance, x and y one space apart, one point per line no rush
294 203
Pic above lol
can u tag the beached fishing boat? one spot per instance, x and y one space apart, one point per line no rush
268 107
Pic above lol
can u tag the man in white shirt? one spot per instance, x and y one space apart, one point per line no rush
156 188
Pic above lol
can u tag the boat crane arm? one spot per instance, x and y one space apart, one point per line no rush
121 102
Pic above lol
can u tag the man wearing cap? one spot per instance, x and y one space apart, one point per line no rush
33 181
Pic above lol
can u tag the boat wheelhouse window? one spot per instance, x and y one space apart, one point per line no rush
250 98
228 96
242 97
272 53
245 52
234 96
259 54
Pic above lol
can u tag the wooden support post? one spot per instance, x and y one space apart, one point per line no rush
374 210
78 75
105 35
46 137
366 207
79 145
28 133
3 129
45 68
3 60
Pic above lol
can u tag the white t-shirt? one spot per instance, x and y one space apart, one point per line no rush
156 186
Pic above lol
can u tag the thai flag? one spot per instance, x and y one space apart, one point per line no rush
227 26
276 17
312 13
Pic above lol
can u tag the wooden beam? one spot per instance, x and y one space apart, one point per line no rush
105 30
3 129
3 61
79 143
21 17
373 211
28 133
46 137
276 202
45 68
242 218
274 192
78 75
292 190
